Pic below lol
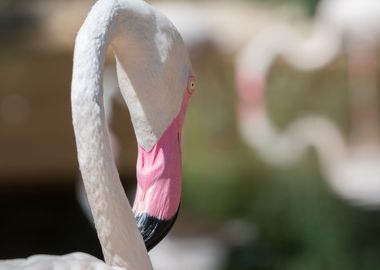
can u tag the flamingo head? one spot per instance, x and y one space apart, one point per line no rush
159 170
156 80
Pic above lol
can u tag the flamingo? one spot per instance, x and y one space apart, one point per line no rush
156 80
195 35
175 251
350 166
252 66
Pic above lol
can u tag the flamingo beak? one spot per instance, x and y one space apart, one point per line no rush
153 229
159 177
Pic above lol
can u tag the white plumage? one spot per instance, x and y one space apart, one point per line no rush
153 71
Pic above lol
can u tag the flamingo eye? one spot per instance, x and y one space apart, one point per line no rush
191 85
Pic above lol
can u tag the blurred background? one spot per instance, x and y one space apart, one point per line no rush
241 208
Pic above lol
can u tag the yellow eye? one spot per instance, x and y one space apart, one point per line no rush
191 86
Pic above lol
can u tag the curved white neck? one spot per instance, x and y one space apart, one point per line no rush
143 44
303 52
327 139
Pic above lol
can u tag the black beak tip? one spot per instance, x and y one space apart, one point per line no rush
152 229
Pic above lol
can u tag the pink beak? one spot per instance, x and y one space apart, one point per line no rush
159 176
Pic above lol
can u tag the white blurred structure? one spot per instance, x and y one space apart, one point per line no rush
351 166
227 26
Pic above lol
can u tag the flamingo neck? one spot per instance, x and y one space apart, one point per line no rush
311 52
120 239
363 96
251 87
325 137
153 69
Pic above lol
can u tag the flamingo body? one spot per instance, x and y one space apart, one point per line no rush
76 260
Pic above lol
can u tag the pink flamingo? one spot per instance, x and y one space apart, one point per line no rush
155 77
350 166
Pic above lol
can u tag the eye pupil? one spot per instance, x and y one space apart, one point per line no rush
191 85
